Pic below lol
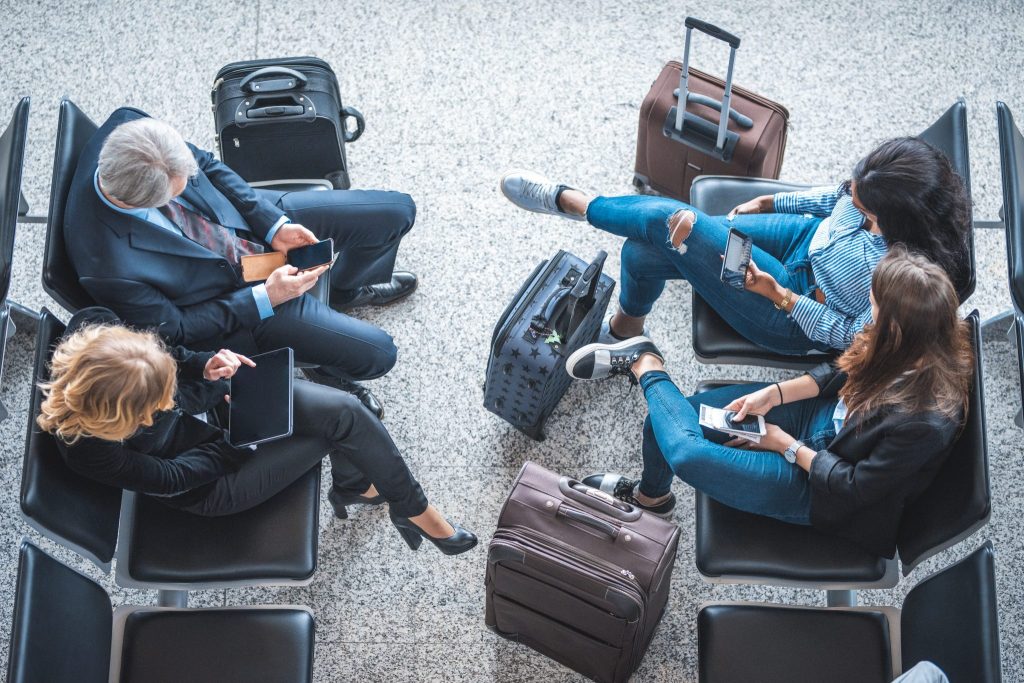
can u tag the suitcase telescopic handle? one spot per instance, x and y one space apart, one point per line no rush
273 79
684 76
604 527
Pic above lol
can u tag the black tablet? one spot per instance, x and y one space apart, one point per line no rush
261 399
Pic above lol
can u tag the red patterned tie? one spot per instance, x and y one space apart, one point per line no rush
213 236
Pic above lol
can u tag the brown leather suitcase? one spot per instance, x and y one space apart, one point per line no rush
577 575
747 139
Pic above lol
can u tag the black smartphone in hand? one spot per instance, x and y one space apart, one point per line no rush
312 255
738 248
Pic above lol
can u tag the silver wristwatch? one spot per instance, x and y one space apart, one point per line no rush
790 454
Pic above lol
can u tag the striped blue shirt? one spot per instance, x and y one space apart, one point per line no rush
843 256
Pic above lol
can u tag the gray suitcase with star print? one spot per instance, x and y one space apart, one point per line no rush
558 309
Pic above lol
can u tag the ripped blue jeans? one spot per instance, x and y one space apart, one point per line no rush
781 243
760 482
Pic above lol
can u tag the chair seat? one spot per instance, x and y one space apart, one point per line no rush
792 645
277 538
714 341
731 543
218 646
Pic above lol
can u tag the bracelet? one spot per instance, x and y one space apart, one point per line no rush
784 304
782 400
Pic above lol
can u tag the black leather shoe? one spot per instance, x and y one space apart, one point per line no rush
364 395
459 542
339 501
403 283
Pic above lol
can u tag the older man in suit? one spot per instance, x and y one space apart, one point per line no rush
156 229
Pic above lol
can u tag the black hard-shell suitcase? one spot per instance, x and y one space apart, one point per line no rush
557 310
577 575
282 119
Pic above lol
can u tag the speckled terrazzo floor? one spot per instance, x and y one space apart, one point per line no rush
454 93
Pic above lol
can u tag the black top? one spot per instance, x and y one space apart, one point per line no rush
876 464
179 457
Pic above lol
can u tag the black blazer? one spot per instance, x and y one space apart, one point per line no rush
875 465
153 278
179 457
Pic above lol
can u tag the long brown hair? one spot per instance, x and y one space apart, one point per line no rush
916 356
106 381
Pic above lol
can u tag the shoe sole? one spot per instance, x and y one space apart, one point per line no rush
561 214
574 357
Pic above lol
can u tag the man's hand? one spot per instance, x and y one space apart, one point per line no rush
763 204
757 403
774 440
287 283
290 236
224 364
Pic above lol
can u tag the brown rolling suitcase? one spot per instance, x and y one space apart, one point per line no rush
577 575
748 139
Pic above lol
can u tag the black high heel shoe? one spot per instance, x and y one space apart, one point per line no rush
459 542
339 500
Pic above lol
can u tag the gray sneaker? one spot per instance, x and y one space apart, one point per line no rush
534 192
597 361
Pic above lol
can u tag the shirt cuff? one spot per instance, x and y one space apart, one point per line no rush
259 293
273 231
785 202
807 312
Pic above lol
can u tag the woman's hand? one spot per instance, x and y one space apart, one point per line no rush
224 364
757 403
763 204
760 282
774 440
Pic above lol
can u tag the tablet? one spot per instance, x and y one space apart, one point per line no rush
261 399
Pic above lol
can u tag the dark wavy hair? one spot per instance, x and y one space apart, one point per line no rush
920 201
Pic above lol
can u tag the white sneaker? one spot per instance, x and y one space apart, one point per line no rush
597 361
606 336
534 192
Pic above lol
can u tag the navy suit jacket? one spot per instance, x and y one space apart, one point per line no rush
153 278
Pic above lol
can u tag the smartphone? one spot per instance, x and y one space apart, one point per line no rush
751 424
312 255
737 258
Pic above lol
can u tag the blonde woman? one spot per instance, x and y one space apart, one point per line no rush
122 407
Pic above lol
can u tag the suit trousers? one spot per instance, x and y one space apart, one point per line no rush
329 422
367 227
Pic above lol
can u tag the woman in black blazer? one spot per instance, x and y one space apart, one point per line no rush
123 409
847 444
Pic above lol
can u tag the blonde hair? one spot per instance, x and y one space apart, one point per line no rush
106 382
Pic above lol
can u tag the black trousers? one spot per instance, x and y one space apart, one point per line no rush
330 422
367 227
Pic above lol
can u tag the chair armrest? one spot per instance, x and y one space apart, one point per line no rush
716 195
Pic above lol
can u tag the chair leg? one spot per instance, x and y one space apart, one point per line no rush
998 326
842 598
172 599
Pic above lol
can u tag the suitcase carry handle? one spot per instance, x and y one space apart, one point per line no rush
684 92
288 79
742 120
561 299
597 499
350 135
604 527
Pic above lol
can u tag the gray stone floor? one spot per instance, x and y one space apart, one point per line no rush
454 93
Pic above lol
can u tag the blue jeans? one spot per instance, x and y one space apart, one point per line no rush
753 481
781 243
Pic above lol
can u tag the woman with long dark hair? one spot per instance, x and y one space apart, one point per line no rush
846 446
814 250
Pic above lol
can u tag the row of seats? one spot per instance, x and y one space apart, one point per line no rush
275 544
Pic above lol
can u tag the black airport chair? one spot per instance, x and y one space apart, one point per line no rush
714 341
64 630
948 619
739 547
1011 162
12 162
74 129
158 547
